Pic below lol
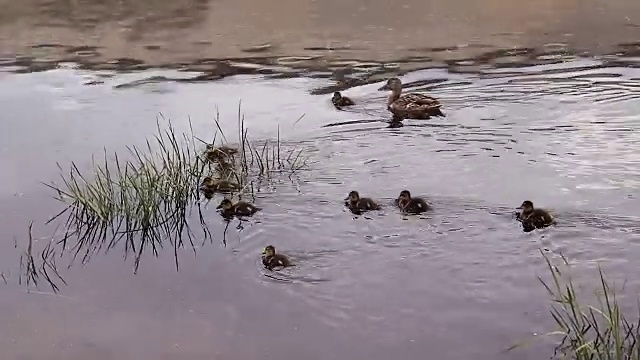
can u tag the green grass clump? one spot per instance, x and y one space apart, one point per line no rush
150 196
590 332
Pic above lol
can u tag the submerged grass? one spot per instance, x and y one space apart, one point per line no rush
32 270
590 332
148 197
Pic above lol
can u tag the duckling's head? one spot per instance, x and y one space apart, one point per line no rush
270 250
208 181
404 195
225 204
527 206
404 198
336 96
354 196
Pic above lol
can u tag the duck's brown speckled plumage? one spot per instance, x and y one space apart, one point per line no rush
410 106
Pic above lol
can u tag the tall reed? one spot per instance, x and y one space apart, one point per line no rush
590 332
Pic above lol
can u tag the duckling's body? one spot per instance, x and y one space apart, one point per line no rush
211 185
532 218
411 205
410 106
357 204
271 260
241 208
340 101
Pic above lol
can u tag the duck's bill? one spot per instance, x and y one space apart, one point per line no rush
384 87
519 207
219 207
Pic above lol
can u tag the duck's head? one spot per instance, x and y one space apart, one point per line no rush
225 204
393 84
353 197
336 96
269 250
526 207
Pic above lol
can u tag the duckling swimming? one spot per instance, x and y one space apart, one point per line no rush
357 204
339 101
410 106
270 259
219 153
532 218
241 208
411 205
211 185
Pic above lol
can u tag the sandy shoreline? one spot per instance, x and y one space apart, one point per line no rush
156 33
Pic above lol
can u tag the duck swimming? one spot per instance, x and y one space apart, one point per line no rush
532 218
357 204
340 101
270 259
241 208
410 106
411 205
210 184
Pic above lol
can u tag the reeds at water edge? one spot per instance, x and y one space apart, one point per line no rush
149 197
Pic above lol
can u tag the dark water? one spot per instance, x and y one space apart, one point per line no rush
460 282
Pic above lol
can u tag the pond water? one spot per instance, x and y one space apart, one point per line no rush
459 282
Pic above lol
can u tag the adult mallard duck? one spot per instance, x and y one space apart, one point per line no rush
270 259
532 218
340 101
241 208
357 204
411 205
410 106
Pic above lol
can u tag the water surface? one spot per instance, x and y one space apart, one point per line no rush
459 282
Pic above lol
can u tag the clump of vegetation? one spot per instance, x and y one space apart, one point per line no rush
150 197
590 332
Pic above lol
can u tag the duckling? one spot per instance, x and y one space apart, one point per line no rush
241 208
212 185
411 205
531 217
270 259
410 106
220 153
358 204
225 149
339 101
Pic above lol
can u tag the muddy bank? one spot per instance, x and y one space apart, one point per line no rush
232 37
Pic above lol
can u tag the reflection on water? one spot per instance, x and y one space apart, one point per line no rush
458 282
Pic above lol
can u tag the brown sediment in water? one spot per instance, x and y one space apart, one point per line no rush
214 36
